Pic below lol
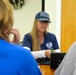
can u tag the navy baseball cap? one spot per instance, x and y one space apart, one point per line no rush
42 16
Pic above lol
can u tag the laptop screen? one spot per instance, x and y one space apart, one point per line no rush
55 59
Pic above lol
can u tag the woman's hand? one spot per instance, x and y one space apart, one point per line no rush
47 53
16 37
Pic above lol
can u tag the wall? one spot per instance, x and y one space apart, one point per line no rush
23 18
53 7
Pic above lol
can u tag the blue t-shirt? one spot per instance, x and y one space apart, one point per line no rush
15 60
50 42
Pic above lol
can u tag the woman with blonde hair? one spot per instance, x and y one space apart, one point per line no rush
39 40
14 59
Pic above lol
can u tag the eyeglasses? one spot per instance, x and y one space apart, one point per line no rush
44 22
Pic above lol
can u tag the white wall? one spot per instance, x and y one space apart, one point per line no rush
58 20
50 7
53 7
24 17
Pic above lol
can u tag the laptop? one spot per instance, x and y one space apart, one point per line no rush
55 59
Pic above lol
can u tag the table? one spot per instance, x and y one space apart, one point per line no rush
46 70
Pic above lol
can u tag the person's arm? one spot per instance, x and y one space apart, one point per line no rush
40 53
67 66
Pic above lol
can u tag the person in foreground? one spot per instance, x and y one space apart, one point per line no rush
14 59
39 41
68 64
